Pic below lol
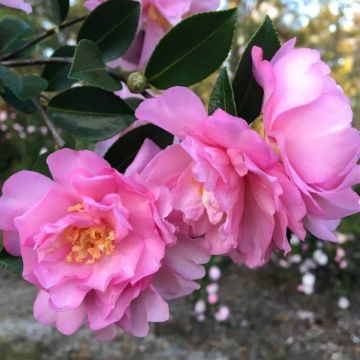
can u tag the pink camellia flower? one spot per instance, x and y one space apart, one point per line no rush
96 245
307 120
157 17
224 179
17 4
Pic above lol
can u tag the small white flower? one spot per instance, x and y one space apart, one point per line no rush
200 307
343 303
309 279
295 259
214 273
307 265
284 264
294 240
320 257
222 314
31 129
212 288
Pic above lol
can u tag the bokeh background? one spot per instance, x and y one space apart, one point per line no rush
303 306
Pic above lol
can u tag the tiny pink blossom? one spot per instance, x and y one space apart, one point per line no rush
222 314
225 181
213 299
97 245
17 4
157 18
307 120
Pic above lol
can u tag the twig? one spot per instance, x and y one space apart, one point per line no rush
33 62
42 36
58 139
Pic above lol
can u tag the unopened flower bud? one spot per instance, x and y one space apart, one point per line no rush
137 82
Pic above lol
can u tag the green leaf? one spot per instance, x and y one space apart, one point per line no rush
13 31
112 26
192 50
123 151
12 263
90 113
222 95
248 94
41 166
57 73
60 10
23 87
26 107
88 66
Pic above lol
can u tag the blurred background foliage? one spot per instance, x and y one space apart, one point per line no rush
330 26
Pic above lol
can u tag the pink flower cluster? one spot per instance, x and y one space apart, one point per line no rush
17 4
157 18
109 250
98 246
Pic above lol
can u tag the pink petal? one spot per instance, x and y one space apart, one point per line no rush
106 334
11 243
17 4
21 192
63 162
168 112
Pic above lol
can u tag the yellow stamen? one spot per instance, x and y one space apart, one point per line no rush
258 126
155 15
77 208
89 244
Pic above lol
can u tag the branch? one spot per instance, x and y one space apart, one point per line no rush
33 62
42 36
58 139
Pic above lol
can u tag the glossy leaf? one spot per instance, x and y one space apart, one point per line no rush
41 166
13 31
57 73
12 263
222 96
248 94
23 87
192 50
60 10
123 151
90 113
112 26
88 66
26 106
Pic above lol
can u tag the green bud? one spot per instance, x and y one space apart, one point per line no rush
137 82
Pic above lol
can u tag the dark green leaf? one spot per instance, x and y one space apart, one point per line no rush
12 31
24 87
41 166
192 50
60 9
90 113
57 74
112 26
248 94
88 66
12 263
26 107
222 95
123 151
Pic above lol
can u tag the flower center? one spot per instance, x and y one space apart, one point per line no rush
155 15
258 126
212 207
88 244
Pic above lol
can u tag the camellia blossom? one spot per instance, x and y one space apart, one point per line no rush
96 245
224 179
307 118
157 18
17 4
